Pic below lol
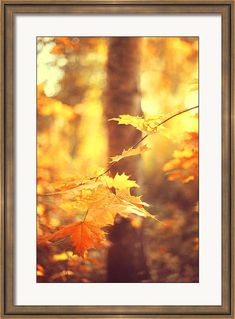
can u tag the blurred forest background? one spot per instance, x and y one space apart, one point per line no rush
83 82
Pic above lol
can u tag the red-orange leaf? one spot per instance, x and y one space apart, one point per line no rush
83 235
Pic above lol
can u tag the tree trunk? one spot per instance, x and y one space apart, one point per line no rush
126 261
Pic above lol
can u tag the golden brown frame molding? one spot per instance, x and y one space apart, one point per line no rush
9 9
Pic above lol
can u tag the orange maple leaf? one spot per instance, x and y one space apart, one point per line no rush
83 235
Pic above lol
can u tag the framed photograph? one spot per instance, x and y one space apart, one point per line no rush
117 139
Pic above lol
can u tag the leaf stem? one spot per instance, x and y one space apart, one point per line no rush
85 216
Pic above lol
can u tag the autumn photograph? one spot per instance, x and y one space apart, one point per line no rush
117 160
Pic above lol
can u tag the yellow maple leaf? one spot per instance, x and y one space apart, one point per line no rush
126 119
74 185
119 182
147 125
129 205
104 210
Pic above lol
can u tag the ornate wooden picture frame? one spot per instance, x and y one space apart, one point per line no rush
9 9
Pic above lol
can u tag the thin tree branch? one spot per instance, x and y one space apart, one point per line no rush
141 140
176 114
145 136
114 163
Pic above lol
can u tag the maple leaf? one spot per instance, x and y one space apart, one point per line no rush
136 200
126 119
119 182
77 201
101 206
122 203
72 185
105 205
127 208
84 236
76 185
147 125
130 152
129 205
97 197
104 211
